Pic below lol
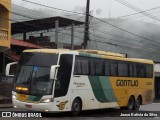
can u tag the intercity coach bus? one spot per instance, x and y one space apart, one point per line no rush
65 80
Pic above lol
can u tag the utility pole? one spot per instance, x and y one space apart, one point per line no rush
56 33
86 31
72 36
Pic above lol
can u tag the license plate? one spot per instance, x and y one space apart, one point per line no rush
28 106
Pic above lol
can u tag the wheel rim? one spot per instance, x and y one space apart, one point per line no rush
76 107
131 104
138 103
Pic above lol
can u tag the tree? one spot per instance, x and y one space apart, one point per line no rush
98 12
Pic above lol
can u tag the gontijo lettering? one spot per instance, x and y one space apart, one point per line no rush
127 82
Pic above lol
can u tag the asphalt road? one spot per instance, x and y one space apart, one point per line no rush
108 114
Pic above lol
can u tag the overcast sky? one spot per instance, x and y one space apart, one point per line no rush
116 9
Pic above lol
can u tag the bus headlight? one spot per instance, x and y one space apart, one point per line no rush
14 97
47 100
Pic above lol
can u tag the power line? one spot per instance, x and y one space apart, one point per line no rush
53 7
113 39
119 20
23 15
121 43
119 36
94 35
100 41
127 4
148 10
125 30
128 49
112 44
101 37
38 18
94 17
105 32
29 23
28 12
130 15
109 43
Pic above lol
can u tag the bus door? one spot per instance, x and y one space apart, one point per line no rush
63 79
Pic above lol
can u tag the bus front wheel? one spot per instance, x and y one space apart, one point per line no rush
76 107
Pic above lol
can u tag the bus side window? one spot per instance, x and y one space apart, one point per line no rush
77 67
85 66
114 68
133 70
141 70
92 66
99 67
149 71
122 69
107 68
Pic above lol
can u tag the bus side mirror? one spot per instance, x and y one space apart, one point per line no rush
11 69
53 72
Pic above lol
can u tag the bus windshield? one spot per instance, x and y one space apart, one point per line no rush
32 75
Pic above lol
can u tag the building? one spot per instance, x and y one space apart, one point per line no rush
5 27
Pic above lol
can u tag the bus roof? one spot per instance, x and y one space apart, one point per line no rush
47 50
101 53
91 53
115 56
82 50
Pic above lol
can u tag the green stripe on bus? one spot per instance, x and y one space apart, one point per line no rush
97 89
107 88
89 55
102 89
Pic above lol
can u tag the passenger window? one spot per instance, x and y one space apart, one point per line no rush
85 67
114 68
141 70
99 67
133 70
122 69
107 68
92 67
149 71
77 67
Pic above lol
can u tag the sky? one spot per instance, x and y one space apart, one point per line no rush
107 8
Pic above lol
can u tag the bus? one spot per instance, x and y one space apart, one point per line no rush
64 80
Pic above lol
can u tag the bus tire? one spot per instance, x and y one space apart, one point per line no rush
124 108
131 103
76 107
137 103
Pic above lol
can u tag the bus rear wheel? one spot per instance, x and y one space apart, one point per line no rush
137 103
131 103
76 107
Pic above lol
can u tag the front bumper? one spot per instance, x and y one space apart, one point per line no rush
41 107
